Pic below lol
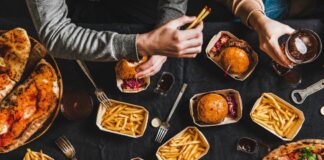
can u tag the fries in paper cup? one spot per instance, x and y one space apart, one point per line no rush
189 144
277 116
123 119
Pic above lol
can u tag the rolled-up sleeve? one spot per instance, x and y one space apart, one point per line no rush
64 39
244 8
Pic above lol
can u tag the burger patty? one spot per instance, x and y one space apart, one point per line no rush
239 44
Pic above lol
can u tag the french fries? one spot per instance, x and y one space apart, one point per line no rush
275 115
202 15
187 145
124 119
31 155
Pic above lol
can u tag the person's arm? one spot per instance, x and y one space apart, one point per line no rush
64 39
244 8
170 10
252 14
167 10
269 31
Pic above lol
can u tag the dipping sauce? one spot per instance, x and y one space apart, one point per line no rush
76 105
303 46
165 83
247 145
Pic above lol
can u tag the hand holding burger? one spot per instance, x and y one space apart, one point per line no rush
151 67
126 78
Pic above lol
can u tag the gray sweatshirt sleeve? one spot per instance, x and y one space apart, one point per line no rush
66 40
171 9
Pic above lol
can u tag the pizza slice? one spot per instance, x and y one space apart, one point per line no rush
15 47
26 109
308 149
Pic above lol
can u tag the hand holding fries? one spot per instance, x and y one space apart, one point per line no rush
124 119
187 145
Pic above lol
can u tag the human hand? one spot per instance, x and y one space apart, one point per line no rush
168 40
150 67
269 31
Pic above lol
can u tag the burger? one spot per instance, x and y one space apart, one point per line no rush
235 56
125 76
212 108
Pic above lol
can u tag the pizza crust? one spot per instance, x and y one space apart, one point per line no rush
290 147
15 47
37 123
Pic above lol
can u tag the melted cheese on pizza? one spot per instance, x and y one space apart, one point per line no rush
28 103
6 85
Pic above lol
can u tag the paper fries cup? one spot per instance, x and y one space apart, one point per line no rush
228 120
120 82
102 111
296 128
201 135
216 60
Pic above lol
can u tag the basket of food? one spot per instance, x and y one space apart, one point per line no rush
125 76
123 118
190 143
277 116
234 56
216 108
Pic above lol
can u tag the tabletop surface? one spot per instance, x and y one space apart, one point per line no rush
201 75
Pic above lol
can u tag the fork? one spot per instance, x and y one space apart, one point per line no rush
163 129
66 147
101 95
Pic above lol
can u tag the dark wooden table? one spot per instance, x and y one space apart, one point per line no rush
201 75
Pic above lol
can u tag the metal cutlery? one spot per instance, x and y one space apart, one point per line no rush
101 95
164 127
66 147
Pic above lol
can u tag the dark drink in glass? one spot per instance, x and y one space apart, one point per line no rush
302 46
77 105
